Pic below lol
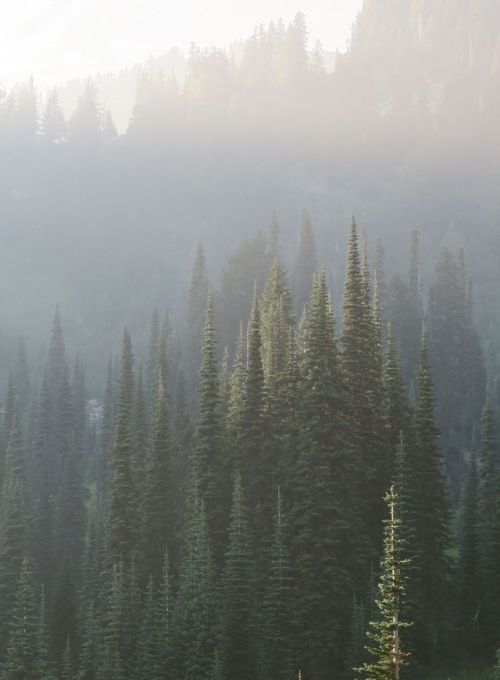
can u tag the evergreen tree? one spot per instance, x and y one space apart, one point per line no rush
386 644
194 625
306 265
208 431
197 309
43 659
120 523
53 123
469 574
156 518
277 611
326 536
362 371
13 525
238 643
20 659
64 613
432 520
90 650
488 513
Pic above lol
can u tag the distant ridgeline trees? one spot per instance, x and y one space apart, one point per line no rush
241 539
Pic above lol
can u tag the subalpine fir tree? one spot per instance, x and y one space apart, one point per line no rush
361 368
149 666
21 653
64 612
252 449
275 331
386 645
105 443
208 439
488 522
43 663
197 311
276 319
157 501
112 665
277 612
9 408
90 650
432 519
140 445
396 408
306 264
469 573
13 525
21 378
120 521
153 356
238 636
324 512
67 672
194 626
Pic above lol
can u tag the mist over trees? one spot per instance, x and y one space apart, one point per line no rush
194 462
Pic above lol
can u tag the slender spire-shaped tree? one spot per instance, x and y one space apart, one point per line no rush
469 573
13 524
20 657
208 431
277 613
324 512
385 635
194 625
43 659
362 371
120 524
197 309
156 522
432 518
306 265
238 636
488 521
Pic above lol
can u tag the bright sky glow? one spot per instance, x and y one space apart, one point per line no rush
54 40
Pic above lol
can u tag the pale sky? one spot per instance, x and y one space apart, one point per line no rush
54 40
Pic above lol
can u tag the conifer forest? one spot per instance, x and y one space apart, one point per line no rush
250 358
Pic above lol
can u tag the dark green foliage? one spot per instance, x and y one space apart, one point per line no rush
43 663
21 654
193 622
208 431
456 359
432 520
120 524
64 613
276 618
469 565
386 635
326 536
156 530
13 524
362 371
237 642
488 523
197 311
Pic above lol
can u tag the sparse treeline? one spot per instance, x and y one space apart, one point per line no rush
241 537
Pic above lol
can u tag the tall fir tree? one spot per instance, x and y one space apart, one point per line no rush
157 529
238 636
306 265
432 520
386 635
21 657
120 521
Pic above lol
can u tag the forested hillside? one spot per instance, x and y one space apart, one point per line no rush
259 440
